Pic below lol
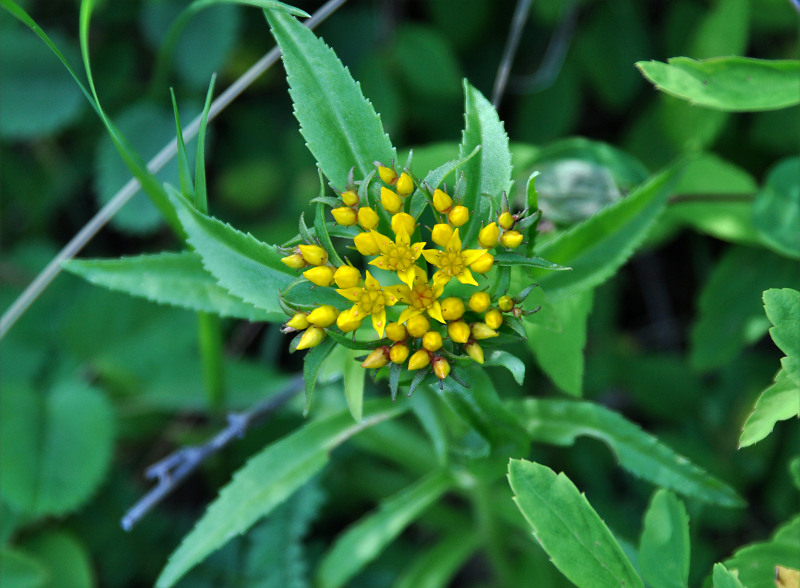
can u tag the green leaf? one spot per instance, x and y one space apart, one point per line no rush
177 279
560 353
200 192
779 402
184 171
65 557
511 362
340 126
436 566
434 179
368 537
354 376
776 211
20 570
597 247
505 258
488 174
62 444
724 578
794 471
560 422
266 481
312 363
575 538
664 545
321 230
756 563
736 84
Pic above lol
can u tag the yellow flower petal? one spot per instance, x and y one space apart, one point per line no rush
435 311
379 322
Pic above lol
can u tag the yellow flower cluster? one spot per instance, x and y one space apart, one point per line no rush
427 331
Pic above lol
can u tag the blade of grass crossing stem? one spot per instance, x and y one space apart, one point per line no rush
201 194
184 173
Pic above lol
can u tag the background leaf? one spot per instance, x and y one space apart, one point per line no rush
354 376
756 563
776 211
664 544
724 578
20 570
65 558
436 567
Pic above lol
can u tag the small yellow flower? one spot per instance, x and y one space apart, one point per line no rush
458 216
441 367
479 301
346 276
441 233
453 262
419 360
312 337
294 261
366 244
405 185
458 331
391 201
372 300
367 218
313 254
399 353
350 197
399 255
321 275
323 316
511 239
344 215
442 201
422 297
488 236
377 359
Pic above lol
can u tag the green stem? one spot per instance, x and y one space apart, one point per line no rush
490 533
210 337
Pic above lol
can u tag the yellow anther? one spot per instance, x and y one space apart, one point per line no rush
506 220
493 318
482 331
405 185
349 320
377 359
458 331
387 174
321 275
483 264
452 308
399 353
479 301
419 360
403 220
441 367
441 233
346 276
474 351
323 316
350 198
294 261
345 215
432 340
511 239
391 201
312 337
366 244
367 218
458 215
506 303
488 236
298 322
396 332
441 201
418 325
313 254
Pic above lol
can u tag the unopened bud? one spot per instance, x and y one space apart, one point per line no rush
391 201
488 236
474 351
418 325
387 174
348 320
441 233
405 185
321 275
452 308
403 221
298 322
441 201
458 216
432 340
441 367
323 316
479 301
511 239
350 198
345 216
493 318
346 276
506 303
458 331
313 254
312 337
396 332
506 220
482 331
294 261
377 359
399 353
483 264
367 218
366 244
419 360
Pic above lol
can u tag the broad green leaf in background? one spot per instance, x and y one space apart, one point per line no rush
66 559
560 422
363 541
177 279
560 353
722 30
424 54
340 126
781 401
722 577
755 563
354 376
62 441
597 247
437 565
575 538
487 174
19 570
737 84
266 481
664 544
776 211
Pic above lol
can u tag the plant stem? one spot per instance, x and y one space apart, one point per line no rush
210 338
490 534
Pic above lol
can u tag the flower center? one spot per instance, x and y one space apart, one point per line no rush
422 296
399 257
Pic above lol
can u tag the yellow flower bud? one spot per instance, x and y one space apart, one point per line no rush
452 308
511 239
366 244
488 236
403 220
493 318
298 322
483 264
377 359
458 331
474 351
432 340
506 220
312 337
323 316
367 218
405 185
482 331
396 332
347 320
419 360
344 215
506 303
294 261
458 215
479 301
346 276
441 201
391 201
350 198
321 275
441 234
387 174
441 367
313 254
399 353
418 325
